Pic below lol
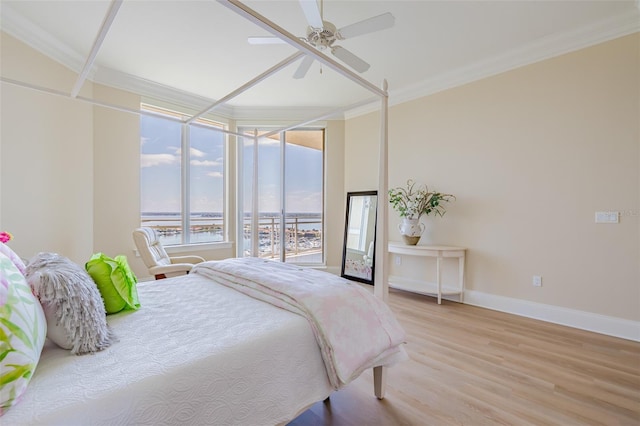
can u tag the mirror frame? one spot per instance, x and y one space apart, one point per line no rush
344 271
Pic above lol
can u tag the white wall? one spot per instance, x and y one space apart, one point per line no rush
531 154
47 158
335 197
116 185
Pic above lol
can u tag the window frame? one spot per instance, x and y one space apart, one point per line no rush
255 130
216 125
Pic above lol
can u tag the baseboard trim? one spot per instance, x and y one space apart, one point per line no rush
333 270
603 324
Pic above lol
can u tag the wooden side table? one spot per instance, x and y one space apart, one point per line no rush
423 286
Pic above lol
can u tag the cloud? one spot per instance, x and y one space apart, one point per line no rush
196 153
262 141
193 152
151 160
205 163
215 174
269 141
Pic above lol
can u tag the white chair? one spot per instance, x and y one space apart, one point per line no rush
368 258
157 260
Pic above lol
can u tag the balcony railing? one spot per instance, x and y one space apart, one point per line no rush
302 235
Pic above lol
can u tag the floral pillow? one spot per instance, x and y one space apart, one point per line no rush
6 250
23 330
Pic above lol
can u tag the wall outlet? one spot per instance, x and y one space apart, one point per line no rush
397 260
537 281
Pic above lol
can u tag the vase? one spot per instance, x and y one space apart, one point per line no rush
411 230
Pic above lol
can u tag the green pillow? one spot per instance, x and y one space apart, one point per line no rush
116 282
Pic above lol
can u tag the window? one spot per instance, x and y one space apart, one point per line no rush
283 175
182 195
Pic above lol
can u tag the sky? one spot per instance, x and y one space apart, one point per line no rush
160 171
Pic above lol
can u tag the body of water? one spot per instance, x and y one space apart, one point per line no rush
208 227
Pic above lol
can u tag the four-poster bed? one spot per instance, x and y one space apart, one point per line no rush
164 380
381 284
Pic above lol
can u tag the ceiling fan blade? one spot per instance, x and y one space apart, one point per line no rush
376 23
303 68
312 13
264 40
350 59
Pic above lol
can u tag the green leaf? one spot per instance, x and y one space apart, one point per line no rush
17 331
18 372
3 336
4 354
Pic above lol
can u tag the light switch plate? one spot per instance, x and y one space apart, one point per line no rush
607 217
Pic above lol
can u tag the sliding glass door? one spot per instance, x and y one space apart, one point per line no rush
282 178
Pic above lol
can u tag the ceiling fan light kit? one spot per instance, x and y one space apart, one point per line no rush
323 34
322 38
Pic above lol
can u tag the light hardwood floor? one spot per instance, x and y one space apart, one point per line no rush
473 366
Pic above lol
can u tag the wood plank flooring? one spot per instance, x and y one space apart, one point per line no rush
473 366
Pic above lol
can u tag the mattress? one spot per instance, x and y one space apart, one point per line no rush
194 353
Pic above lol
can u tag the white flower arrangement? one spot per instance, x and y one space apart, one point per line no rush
412 203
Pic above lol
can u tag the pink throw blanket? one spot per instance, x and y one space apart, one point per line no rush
354 329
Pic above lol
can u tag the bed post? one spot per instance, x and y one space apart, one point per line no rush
381 284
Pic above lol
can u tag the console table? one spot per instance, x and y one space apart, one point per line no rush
424 287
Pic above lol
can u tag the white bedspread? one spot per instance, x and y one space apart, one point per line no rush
195 353
354 329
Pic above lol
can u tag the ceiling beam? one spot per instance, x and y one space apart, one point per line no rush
294 41
106 24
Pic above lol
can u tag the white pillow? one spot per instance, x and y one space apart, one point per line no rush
72 304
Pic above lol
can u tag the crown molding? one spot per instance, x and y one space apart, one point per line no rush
542 49
286 114
21 28
151 89
16 25
191 101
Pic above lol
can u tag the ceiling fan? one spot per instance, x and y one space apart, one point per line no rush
323 34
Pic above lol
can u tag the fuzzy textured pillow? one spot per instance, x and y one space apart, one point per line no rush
116 282
75 313
23 329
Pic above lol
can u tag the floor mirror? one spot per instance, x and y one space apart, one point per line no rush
358 253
